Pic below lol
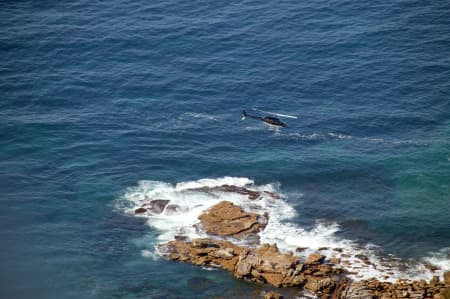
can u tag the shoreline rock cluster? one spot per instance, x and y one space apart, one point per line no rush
266 265
228 224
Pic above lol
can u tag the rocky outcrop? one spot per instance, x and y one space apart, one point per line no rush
204 252
227 219
265 264
251 194
402 289
155 206
356 290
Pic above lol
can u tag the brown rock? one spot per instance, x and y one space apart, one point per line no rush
227 253
315 258
275 279
204 252
335 260
320 284
326 269
245 263
447 278
227 219
268 264
445 293
357 290
296 280
263 265
271 260
272 295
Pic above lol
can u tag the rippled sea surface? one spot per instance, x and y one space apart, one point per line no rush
96 96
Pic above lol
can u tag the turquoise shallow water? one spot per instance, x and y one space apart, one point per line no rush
96 96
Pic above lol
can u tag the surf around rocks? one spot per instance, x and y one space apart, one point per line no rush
226 234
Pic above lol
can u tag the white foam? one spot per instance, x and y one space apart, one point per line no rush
298 136
200 115
440 259
150 254
191 203
254 128
317 136
280 229
232 181
340 136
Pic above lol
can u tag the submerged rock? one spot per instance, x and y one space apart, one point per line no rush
252 194
199 284
140 210
173 209
227 219
300 249
156 206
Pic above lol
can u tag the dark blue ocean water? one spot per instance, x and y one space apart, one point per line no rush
98 95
